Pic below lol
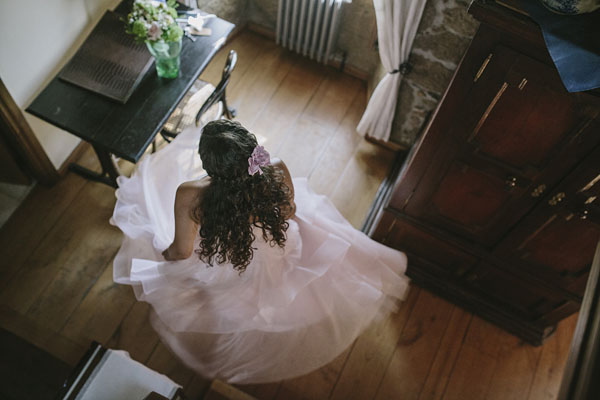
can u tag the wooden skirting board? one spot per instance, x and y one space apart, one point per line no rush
348 69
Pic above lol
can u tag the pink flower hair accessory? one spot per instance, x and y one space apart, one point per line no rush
259 158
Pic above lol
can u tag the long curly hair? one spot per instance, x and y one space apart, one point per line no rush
235 201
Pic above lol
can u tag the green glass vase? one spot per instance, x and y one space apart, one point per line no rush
167 57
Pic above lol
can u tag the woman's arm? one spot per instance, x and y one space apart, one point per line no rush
186 228
287 179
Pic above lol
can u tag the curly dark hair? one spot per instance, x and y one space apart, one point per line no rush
236 201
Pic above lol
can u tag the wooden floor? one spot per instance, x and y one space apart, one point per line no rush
56 288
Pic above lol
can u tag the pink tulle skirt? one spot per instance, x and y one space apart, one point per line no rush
292 311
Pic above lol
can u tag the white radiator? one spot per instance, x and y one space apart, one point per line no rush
309 27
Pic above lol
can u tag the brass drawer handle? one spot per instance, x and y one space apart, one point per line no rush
557 198
523 83
590 200
537 192
510 182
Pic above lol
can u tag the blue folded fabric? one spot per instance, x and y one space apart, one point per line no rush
573 42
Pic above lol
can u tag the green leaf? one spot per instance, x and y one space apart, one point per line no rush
174 33
139 29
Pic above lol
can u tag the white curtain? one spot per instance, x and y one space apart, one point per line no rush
397 23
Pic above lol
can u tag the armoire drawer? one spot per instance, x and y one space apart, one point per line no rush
524 298
440 256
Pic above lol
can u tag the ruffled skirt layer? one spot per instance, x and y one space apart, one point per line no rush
293 309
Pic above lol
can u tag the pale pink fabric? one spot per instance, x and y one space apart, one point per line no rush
292 311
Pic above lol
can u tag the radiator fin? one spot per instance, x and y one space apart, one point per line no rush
309 27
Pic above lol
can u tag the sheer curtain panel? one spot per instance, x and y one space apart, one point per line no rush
397 23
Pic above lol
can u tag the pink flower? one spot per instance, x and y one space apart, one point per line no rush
259 158
154 31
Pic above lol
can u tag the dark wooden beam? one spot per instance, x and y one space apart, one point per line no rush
21 140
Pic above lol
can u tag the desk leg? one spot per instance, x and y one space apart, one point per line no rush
110 170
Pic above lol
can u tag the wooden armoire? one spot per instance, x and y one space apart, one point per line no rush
498 203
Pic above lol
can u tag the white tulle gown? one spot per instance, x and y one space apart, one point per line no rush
292 311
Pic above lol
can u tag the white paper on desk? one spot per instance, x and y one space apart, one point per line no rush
118 376
196 22
196 25
202 32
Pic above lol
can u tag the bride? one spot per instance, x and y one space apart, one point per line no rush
251 276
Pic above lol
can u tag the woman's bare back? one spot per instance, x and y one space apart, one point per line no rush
189 195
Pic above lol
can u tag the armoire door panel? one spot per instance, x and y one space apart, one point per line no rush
487 89
564 246
530 119
520 130
531 135
469 197
558 239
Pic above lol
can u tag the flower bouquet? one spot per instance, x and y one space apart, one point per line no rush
154 22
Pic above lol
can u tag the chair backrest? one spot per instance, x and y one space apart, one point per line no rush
219 93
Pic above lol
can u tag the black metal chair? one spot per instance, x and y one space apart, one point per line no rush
202 103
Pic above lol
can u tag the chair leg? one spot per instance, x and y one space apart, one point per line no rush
230 113
167 137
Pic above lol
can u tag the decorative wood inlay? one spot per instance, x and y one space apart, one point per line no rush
590 184
483 67
488 110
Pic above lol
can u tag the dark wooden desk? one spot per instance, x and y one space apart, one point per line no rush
126 130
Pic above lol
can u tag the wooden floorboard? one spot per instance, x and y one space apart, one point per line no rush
101 311
56 251
446 355
41 209
416 349
340 149
135 334
371 354
315 385
473 372
548 374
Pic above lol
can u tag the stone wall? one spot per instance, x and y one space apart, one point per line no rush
263 13
445 31
230 10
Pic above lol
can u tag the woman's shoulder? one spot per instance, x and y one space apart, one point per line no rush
277 163
280 165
